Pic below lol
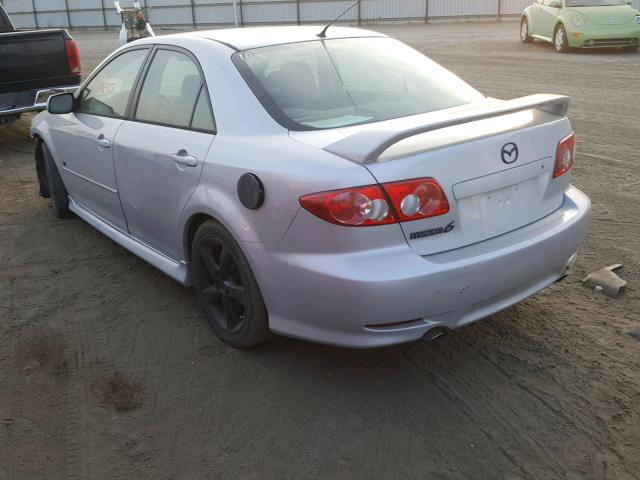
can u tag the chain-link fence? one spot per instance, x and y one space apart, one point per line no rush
195 13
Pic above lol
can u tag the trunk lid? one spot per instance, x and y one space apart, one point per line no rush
488 196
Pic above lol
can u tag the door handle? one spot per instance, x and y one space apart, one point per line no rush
103 142
183 158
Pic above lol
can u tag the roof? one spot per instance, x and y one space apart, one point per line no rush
254 37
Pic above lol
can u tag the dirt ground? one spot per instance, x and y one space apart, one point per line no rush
108 370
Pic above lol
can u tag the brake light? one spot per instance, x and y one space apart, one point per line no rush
379 204
565 155
73 56
352 207
417 199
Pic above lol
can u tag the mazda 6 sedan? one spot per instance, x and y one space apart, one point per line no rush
338 188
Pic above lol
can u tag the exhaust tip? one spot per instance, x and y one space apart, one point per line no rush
434 334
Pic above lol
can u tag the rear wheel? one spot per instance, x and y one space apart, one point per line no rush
525 37
227 289
56 189
560 41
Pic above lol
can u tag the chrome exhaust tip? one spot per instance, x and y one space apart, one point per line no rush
434 334
567 267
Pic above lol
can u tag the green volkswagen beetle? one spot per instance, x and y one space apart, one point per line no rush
582 24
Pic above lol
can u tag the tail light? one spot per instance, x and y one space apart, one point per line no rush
353 207
565 155
417 199
73 56
379 204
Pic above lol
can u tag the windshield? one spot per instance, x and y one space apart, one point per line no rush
595 3
342 82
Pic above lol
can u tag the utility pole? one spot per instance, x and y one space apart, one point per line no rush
104 15
35 13
66 4
235 11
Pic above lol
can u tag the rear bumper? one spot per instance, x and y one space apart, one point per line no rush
336 299
32 100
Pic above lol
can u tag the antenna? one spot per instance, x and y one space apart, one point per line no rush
323 33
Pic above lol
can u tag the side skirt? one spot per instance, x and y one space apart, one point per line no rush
545 39
179 271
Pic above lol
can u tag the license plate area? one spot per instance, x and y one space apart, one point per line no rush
504 201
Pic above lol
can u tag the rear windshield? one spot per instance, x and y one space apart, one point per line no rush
341 82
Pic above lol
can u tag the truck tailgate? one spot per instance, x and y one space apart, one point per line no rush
33 60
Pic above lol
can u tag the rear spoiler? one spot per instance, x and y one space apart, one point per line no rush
367 146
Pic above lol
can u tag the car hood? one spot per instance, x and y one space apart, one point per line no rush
613 15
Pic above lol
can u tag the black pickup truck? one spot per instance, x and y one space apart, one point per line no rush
33 66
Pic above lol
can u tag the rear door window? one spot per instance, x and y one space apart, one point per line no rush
174 94
202 118
107 94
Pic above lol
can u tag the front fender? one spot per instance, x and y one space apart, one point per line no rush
574 35
40 128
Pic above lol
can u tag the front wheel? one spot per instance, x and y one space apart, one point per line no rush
560 41
525 37
227 289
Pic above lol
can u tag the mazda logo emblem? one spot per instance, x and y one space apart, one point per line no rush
509 153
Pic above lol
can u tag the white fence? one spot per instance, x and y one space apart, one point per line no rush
101 13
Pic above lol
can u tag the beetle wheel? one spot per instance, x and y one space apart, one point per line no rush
524 31
560 41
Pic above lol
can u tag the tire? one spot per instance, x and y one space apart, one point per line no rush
560 41
57 191
227 289
632 49
524 31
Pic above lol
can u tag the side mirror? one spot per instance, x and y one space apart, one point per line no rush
555 4
60 103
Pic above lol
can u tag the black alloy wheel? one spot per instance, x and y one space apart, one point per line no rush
227 289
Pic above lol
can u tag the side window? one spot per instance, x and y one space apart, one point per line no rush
173 93
202 118
108 92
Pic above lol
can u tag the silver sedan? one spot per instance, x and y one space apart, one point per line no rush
338 188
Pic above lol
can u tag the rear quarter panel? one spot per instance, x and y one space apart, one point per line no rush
287 169
248 140
528 14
